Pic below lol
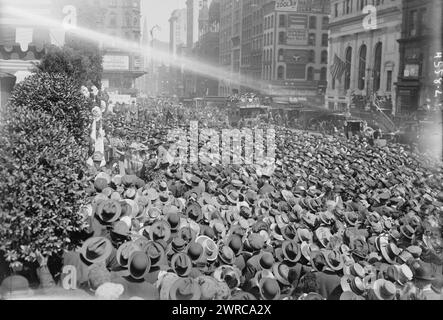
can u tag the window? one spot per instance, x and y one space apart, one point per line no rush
272 21
422 21
413 23
136 23
282 20
281 37
311 39
377 66
362 68
336 10
324 57
348 6
312 22
112 20
389 81
325 23
280 54
280 73
311 57
310 74
348 68
323 74
324 40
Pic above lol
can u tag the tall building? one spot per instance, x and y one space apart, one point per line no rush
251 42
365 46
421 40
120 67
207 48
295 50
230 45
177 30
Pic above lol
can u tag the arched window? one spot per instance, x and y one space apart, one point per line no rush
377 66
323 74
280 54
348 68
280 73
311 57
324 56
310 74
362 67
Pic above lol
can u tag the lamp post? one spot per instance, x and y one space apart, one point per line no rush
153 29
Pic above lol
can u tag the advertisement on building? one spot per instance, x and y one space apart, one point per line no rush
297 33
115 63
297 5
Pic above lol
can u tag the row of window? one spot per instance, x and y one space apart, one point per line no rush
128 20
267 56
294 72
283 22
351 6
125 3
268 39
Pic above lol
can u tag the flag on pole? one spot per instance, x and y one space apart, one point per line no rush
338 68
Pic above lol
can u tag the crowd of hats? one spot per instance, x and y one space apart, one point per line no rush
370 215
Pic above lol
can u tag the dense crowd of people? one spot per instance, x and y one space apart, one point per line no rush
335 219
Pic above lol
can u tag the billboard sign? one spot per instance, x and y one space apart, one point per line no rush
120 63
295 56
296 37
294 5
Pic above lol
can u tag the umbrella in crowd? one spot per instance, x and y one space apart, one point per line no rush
335 219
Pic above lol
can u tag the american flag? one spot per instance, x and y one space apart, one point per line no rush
338 68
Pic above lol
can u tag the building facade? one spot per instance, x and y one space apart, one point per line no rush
121 68
366 41
230 44
177 30
421 40
295 50
251 44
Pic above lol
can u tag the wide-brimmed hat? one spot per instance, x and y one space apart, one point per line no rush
96 250
219 228
109 211
124 252
181 263
407 231
139 265
354 284
226 255
291 251
281 272
210 248
185 289
390 252
384 290
165 282
156 253
334 259
323 236
194 211
307 248
229 274
353 270
235 242
304 235
269 289
160 230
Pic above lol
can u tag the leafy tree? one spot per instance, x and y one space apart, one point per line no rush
42 184
83 63
58 95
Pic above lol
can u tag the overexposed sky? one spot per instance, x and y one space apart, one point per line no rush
158 12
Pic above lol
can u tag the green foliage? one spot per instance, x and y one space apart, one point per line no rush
58 95
81 60
42 184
